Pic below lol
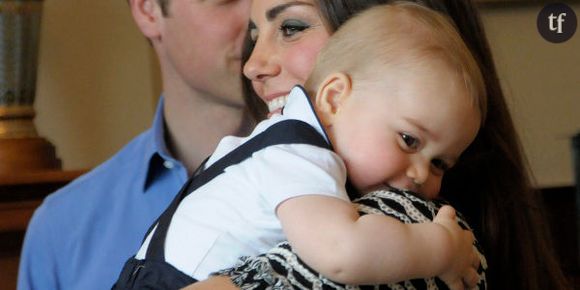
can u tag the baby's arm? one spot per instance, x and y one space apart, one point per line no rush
329 235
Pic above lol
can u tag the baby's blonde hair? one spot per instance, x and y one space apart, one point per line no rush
397 33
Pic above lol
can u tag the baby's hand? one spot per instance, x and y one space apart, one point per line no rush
461 273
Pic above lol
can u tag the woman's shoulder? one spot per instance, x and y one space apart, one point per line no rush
406 206
403 205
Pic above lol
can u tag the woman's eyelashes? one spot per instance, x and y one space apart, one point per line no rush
291 27
288 29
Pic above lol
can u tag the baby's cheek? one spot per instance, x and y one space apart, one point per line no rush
365 177
357 175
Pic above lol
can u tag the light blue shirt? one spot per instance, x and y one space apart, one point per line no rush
81 235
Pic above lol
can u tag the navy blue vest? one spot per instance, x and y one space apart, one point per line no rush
154 272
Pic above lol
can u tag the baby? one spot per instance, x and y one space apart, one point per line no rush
397 99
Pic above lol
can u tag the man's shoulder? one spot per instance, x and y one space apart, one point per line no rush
122 167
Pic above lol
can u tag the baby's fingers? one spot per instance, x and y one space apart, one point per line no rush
470 278
456 285
447 211
476 261
468 281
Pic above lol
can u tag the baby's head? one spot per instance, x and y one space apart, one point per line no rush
400 95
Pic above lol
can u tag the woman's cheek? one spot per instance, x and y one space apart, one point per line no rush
302 59
258 88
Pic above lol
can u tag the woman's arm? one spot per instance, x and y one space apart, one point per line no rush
330 236
213 283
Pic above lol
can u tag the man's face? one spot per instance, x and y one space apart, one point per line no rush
200 46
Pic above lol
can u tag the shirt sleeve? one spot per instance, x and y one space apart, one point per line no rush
281 268
37 260
290 170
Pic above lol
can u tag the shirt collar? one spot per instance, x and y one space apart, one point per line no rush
299 106
156 151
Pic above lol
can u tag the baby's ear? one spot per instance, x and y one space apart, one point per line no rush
332 94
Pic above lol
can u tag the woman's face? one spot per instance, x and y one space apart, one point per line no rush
288 35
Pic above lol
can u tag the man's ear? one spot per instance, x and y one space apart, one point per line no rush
332 94
148 16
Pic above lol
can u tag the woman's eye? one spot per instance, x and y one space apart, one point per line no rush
440 166
291 27
411 142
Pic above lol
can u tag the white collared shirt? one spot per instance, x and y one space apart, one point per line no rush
234 214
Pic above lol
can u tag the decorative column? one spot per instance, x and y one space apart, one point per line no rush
21 148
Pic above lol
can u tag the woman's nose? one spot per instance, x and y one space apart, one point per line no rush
261 65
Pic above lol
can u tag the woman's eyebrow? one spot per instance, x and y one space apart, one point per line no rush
272 13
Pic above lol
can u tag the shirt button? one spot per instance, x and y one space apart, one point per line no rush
168 164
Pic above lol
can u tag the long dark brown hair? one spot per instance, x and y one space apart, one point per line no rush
491 183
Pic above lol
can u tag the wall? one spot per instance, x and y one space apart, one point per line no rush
97 83
542 83
94 89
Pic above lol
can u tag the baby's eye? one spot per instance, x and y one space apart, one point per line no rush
440 166
410 142
290 28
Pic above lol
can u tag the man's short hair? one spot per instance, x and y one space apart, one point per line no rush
164 6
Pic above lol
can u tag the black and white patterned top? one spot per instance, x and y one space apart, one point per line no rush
280 268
